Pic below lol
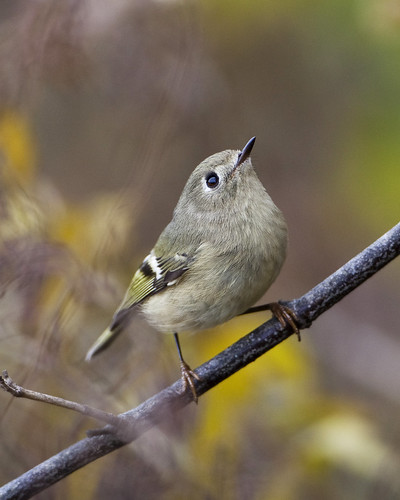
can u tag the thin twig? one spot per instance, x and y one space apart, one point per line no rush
7 383
235 357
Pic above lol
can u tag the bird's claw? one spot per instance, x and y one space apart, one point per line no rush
188 376
285 316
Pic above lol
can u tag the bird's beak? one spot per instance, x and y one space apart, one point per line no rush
245 153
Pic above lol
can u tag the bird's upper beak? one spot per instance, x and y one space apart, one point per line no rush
244 154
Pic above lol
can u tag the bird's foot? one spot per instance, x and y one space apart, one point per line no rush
282 313
188 376
285 316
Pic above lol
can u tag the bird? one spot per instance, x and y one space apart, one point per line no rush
222 250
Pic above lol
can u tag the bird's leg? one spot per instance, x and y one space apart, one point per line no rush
187 373
282 313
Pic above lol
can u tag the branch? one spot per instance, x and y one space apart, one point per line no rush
307 309
8 384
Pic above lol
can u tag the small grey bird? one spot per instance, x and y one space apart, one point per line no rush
222 250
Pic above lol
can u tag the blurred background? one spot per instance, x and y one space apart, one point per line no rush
105 109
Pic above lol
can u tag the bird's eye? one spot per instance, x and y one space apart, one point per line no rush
212 180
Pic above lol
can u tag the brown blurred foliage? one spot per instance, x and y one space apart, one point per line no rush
105 109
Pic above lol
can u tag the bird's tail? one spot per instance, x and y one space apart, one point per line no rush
120 320
103 341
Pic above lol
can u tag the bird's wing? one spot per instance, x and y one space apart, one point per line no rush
154 275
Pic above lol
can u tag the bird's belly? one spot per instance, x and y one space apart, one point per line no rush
189 306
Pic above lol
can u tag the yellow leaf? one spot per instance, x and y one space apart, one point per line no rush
17 147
